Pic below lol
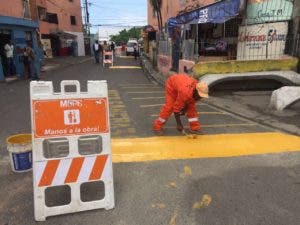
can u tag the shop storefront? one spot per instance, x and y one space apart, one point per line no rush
19 32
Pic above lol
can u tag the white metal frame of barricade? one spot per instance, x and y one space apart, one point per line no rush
108 61
44 91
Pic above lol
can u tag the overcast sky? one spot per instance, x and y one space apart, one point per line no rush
117 13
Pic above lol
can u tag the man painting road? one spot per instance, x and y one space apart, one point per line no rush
182 93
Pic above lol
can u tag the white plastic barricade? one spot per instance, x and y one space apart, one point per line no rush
72 164
108 58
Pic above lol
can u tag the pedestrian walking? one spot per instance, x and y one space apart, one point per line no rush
135 48
112 46
96 51
105 46
33 62
9 51
182 93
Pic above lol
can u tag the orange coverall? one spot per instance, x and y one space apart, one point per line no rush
179 95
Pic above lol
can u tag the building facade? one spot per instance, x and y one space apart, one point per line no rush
171 8
17 26
206 30
60 26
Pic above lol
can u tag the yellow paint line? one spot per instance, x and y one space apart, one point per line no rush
155 105
138 87
142 98
204 146
137 84
221 125
125 67
149 106
145 92
201 113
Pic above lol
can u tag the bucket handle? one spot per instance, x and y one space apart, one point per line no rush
65 83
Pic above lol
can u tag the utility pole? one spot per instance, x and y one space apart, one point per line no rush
87 15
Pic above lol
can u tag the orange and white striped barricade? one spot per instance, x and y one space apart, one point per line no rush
108 58
72 164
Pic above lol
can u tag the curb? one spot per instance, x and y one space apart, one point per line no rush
150 72
263 119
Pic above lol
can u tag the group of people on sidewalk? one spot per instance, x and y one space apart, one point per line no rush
100 49
31 58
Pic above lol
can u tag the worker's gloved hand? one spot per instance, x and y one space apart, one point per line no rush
179 128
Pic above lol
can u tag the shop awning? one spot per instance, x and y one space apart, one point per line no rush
218 12
64 35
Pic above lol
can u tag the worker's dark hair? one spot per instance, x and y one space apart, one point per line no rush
196 95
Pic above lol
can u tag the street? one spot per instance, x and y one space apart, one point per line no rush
238 172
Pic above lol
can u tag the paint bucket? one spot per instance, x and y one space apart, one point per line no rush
20 152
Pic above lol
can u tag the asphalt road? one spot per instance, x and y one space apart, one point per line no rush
221 190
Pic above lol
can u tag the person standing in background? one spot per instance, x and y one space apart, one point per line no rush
96 51
9 51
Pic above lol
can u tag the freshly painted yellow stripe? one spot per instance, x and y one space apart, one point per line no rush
204 146
220 125
154 105
125 67
201 113
141 98
145 92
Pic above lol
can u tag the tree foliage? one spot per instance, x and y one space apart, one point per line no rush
124 35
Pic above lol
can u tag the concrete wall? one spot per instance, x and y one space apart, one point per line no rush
203 68
164 64
64 9
14 8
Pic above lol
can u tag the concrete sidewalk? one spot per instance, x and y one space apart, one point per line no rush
249 104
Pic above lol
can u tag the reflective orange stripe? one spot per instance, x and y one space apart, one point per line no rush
49 173
98 167
74 170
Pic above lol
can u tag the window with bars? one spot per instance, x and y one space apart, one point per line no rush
73 20
52 18
42 12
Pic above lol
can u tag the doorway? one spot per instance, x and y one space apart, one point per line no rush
5 37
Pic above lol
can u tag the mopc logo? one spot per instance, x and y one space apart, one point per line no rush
70 103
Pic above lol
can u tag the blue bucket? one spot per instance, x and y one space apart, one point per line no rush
20 152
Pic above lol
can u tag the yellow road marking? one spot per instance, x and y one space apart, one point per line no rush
161 104
221 125
125 67
204 146
141 98
201 113
137 84
145 92
136 87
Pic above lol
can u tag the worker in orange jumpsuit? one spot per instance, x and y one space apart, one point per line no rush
182 93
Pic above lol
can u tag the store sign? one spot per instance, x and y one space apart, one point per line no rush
260 11
262 41
70 117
